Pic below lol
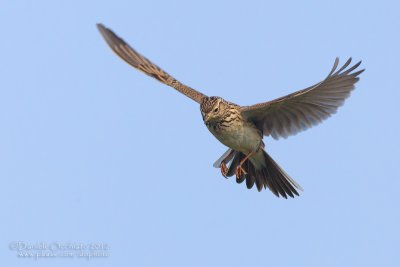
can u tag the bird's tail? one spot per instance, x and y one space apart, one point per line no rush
268 174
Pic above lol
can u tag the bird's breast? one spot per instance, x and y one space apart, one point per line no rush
240 136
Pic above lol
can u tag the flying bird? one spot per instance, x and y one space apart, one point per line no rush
242 128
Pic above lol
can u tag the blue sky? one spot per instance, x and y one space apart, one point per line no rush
92 151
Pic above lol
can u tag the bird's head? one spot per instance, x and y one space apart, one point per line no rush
213 109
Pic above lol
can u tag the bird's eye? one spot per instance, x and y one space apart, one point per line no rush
215 110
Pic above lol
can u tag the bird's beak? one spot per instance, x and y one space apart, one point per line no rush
206 117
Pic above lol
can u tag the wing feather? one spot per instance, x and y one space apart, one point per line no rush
133 58
303 109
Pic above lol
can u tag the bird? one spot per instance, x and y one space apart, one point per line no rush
242 128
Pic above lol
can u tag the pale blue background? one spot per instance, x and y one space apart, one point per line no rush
93 151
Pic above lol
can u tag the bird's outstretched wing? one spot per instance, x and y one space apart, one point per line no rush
301 110
128 54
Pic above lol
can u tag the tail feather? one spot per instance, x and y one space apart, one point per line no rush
249 181
288 179
270 183
251 172
270 175
279 181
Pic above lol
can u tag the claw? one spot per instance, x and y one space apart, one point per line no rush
240 172
224 169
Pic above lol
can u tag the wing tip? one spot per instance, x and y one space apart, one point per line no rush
101 28
344 70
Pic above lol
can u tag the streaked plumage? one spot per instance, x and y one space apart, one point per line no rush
242 128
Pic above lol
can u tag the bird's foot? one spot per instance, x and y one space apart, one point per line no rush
224 169
240 172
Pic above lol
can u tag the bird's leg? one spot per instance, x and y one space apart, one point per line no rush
227 158
224 169
239 170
